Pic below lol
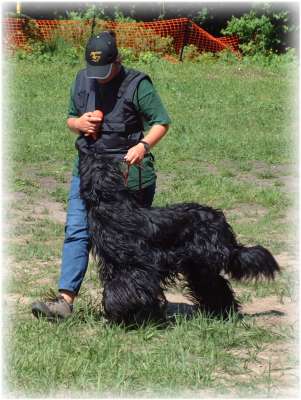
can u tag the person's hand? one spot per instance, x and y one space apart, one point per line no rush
89 123
135 154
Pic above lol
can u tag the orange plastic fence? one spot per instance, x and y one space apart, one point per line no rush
206 42
182 32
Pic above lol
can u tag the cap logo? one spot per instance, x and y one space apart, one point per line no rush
95 56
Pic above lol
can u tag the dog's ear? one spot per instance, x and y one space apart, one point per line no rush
107 178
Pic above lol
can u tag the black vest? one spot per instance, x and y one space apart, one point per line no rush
122 126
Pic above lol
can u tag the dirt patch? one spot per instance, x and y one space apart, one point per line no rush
43 208
164 181
200 167
50 209
212 169
13 196
269 311
21 240
276 169
48 182
177 298
287 260
259 182
246 212
289 184
274 360
45 282
261 174
12 302
291 218
32 270
275 364
285 175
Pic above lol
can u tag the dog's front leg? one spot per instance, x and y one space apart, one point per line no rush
132 297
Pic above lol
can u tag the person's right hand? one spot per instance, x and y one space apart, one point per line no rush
89 124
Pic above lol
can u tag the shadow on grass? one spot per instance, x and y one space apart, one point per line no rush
175 312
269 313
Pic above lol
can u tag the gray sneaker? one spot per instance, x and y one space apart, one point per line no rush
52 309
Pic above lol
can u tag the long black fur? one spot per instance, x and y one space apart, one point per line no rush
140 251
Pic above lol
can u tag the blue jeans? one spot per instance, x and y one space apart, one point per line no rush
75 255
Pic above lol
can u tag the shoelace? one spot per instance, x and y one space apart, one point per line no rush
51 295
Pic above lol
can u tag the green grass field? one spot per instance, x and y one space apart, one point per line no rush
231 145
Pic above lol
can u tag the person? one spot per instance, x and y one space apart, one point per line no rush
130 106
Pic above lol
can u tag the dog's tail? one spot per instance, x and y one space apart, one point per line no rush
252 262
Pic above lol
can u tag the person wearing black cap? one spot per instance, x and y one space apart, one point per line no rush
130 106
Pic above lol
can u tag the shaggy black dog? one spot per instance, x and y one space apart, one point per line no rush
140 251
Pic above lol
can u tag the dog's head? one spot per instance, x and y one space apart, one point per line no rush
101 178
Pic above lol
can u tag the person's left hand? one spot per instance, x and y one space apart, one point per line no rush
135 154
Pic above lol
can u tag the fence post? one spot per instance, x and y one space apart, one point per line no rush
18 8
185 40
93 23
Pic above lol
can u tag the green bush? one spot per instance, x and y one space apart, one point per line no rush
87 14
120 17
148 57
272 61
227 57
259 33
206 58
55 49
191 53
136 39
127 55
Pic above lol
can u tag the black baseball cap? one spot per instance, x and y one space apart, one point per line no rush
101 52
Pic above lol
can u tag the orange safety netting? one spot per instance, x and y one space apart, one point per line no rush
137 35
206 42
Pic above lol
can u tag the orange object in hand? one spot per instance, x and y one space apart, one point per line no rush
98 114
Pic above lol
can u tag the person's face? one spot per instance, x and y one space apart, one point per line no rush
115 71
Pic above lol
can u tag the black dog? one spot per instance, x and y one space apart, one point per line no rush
140 251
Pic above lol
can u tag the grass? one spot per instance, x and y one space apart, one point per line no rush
101 359
229 128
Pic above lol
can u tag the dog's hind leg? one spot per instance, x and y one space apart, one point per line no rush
132 297
210 291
